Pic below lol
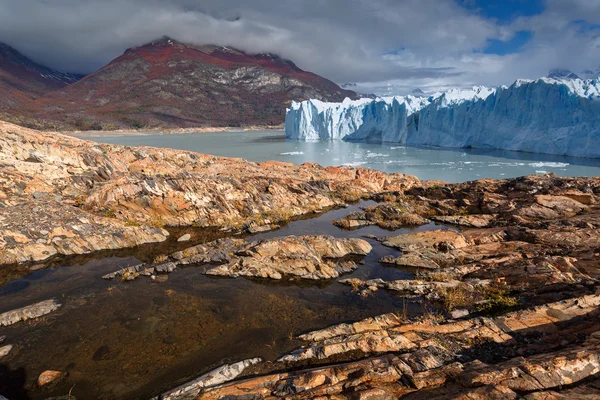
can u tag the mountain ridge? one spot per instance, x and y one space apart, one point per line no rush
22 79
170 84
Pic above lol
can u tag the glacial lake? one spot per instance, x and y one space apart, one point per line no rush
451 165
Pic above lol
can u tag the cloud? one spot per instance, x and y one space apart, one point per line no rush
387 45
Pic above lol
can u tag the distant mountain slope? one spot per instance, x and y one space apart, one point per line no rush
170 84
22 80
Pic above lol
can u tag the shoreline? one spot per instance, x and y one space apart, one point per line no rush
170 131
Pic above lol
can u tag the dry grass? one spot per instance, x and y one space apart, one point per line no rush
492 299
131 222
109 213
157 221
159 259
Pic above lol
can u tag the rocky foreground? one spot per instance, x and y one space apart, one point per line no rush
509 285
514 300
63 196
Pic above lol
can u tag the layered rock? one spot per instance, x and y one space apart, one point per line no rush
29 312
306 257
107 197
384 215
430 360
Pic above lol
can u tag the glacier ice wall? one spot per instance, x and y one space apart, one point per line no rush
382 119
542 116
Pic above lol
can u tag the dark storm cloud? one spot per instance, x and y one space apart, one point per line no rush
408 43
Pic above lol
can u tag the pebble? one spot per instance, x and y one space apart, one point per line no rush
5 350
185 238
48 377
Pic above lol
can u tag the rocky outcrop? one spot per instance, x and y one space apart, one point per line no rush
218 376
108 197
305 257
384 215
78 232
515 293
30 312
440 360
431 290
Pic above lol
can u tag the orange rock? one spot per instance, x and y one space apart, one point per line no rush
47 377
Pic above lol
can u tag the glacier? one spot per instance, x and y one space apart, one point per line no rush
553 116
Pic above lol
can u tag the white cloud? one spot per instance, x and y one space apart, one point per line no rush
409 43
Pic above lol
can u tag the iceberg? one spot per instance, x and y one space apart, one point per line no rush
553 116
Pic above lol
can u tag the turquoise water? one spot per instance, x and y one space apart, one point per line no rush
452 165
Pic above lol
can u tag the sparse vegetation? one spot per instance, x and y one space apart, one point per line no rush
159 259
131 222
157 221
110 213
490 299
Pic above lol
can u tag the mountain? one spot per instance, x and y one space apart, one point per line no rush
167 83
542 116
560 73
418 92
590 74
22 80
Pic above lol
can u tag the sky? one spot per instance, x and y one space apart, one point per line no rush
386 47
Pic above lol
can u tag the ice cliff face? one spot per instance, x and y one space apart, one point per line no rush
382 119
543 116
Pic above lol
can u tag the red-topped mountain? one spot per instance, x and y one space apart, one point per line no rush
167 83
22 80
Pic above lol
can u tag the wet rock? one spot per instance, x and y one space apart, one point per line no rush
165 268
386 216
306 257
217 252
185 238
216 377
48 377
254 227
134 272
4 350
159 278
30 312
126 273
103 353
